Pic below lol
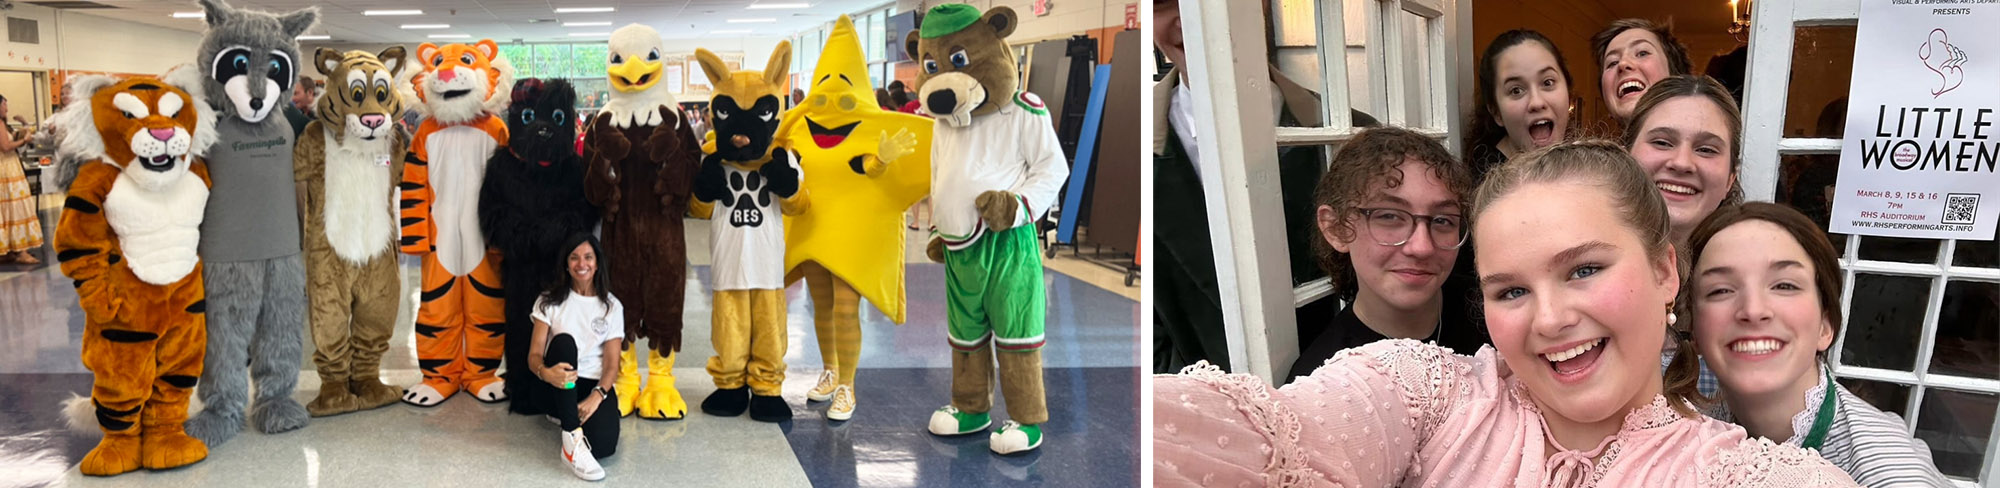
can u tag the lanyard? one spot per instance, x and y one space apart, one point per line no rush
1825 419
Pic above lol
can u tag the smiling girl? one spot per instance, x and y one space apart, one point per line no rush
1570 394
1766 288
1523 99
1632 55
1684 134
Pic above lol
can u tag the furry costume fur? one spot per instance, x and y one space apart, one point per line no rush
254 268
464 88
751 181
533 199
128 237
997 167
347 162
869 166
642 160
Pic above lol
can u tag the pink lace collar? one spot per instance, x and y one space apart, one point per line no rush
1570 468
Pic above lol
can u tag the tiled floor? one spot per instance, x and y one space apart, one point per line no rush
1091 378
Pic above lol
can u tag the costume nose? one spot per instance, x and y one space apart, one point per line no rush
372 121
447 74
161 134
256 104
740 140
942 102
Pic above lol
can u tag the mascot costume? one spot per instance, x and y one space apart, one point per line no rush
463 92
750 181
532 200
643 158
254 267
869 165
997 167
128 236
348 163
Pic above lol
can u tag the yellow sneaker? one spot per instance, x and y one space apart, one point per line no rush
843 403
823 391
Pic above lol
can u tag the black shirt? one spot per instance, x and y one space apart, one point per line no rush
1455 330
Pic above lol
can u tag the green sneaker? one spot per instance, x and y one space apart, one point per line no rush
950 421
1014 437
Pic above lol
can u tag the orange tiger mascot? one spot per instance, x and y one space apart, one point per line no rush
127 237
461 318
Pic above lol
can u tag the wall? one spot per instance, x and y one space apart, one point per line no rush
1065 18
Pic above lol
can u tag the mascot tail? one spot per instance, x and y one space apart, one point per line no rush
80 415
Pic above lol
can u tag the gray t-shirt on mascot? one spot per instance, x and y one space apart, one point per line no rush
253 208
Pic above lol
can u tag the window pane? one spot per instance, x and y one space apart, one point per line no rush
1887 317
588 60
1984 254
518 55
1416 71
1900 249
1956 425
1822 65
1806 183
551 60
1888 397
590 93
1968 331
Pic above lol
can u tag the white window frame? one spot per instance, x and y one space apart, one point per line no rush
1764 144
1232 101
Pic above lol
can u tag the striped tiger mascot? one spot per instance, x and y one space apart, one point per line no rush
462 90
346 163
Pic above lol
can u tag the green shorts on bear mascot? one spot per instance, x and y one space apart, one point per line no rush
995 169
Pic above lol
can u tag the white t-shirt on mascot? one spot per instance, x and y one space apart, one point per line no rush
748 236
585 320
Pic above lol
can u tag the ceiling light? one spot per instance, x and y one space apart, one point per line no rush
313 37
187 15
583 10
732 31
449 36
763 6
392 12
751 21
426 26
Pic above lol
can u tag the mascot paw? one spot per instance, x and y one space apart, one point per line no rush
493 392
282 414
333 399
661 401
171 449
429 393
614 146
769 408
727 402
935 250
663 143
950 421
627 383
373 393
214 427
997 209
115 454
1015 438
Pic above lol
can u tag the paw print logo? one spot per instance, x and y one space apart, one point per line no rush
750 194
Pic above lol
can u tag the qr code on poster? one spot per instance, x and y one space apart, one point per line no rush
1960 207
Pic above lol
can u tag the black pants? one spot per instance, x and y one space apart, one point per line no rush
602 427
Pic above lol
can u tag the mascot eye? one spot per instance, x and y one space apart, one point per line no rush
766 116
930 66
381 94
466 58
129 115
527 115
558 116
240 62
720 115
358 93
653 56
277 65
959 59
437 60
616 59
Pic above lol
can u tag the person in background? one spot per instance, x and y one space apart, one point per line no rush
1391 212
882 100
1187 304
299 112
798 97
1766 288
1523 100
579 329
20 225
1632 55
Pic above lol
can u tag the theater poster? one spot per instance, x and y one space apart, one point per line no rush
1921 156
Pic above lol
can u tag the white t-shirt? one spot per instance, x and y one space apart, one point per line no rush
584 319
748 236
1014 149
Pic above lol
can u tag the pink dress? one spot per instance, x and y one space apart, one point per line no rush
1404 413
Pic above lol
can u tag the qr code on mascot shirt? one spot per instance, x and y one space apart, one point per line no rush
1960 207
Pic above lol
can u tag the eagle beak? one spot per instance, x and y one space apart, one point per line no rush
635 75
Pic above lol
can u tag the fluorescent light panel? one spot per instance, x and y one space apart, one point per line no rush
585 24
313 37
584 10
426 26
391 12
187 15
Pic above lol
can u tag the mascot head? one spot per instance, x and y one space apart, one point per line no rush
250 57
840 97
149 128
747 105
460 82
964 65
362 97
541 123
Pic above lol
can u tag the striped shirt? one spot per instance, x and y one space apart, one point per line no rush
1869 444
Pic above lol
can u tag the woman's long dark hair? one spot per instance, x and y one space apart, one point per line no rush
1482 147
559 288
